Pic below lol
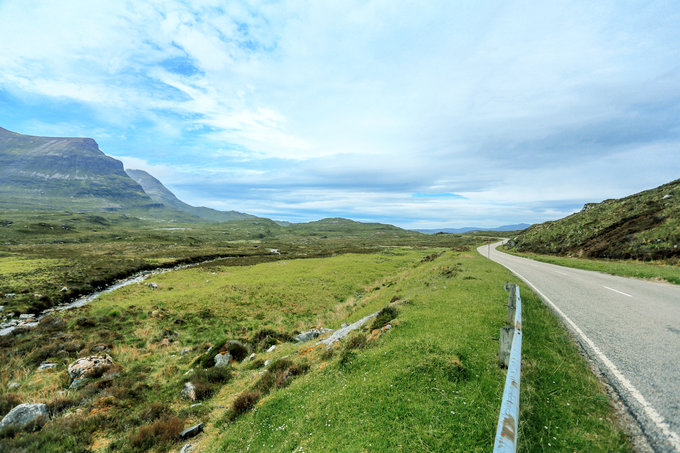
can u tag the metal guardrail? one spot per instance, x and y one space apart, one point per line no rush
508 420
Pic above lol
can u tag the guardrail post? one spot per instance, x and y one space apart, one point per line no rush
507 333
512 303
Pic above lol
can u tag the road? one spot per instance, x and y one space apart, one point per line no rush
630 327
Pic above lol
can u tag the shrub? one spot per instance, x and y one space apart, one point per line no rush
244 402
289 374
384 316
85 322
61 404
7 402
266 382
265 338
159 432
356 342
279 365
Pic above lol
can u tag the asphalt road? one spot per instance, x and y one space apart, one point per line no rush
630 327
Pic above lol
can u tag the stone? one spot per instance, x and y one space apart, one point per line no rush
164 342
12 385
47 366
63 289
10 295
271 348
27 316
266 363
387 326
311 334
2 308
26 415
191 370
222 359
152 285
186 448
91 366
250 357
189 391
191 431
184 351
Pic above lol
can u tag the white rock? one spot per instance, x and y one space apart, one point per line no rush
189 391
26 414
222 359
271 348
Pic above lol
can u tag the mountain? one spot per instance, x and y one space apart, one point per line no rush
645 226
160 194
62 172
516 227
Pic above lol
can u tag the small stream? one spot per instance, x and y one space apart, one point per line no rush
8 327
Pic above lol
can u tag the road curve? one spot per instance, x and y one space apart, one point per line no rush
630 327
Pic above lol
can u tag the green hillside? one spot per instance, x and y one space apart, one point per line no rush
643 226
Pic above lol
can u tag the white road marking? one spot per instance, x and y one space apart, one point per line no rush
672 437
561 273
617 291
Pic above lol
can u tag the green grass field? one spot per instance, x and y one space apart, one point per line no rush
431 383
624 268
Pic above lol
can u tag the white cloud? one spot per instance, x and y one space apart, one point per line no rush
355 98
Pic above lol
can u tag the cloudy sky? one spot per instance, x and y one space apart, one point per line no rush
420 114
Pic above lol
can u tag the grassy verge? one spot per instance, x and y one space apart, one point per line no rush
624 268
430 383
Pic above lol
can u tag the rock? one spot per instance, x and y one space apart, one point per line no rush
189 391
2 308
266 363
250 357
344 324
12 385
311 334
99 348
10 295
274 251
191 431
27 316
191 370
164 342
387 326
26 415
152 285
186 448
89 367
47 366
184 351
63 289
271 348
222 359
667 196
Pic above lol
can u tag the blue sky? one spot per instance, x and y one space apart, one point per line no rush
421 114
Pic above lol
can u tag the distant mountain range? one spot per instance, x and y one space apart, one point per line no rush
517 227
74 174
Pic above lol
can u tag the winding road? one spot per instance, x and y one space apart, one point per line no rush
630 327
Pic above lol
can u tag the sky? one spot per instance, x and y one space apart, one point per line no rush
419 114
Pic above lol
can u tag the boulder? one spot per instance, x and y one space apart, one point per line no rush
47 366
311 334
191 431
186 448
222 359
27 415
89 367
189 391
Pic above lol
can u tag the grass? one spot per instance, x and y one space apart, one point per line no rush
420 386
415 387
624 268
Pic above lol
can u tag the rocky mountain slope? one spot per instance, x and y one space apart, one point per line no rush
643 226
50 172
160 194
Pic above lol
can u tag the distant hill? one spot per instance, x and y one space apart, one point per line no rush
160 194
59 172
516 227
645 226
